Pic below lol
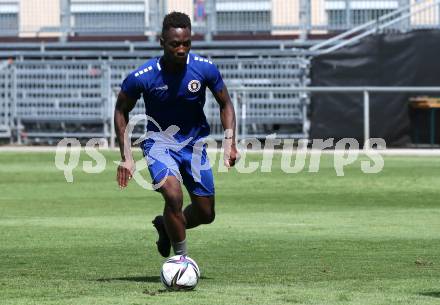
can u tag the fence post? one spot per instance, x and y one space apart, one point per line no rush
153 21
306 122
347 14
438 14
5 102
406 22
15 120
243 119
106 97
235 104
366 119
112 122
211 21
65 19
304 19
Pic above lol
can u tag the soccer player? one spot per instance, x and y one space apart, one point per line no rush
173 87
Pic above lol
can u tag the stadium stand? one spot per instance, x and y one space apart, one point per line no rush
57 99
108 17
66 87
9 17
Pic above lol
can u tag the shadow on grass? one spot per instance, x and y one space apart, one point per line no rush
140 279
434 294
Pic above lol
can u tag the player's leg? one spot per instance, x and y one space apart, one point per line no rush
174 220
163 243
164 170
171 225
199 181
200 211
200 185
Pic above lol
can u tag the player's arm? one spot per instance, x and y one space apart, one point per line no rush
124 105
227 117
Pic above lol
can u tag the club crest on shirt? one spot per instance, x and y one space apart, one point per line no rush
194 85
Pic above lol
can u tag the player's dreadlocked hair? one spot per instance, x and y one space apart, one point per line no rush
175 20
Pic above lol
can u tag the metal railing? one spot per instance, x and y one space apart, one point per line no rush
52 99
253 111
364 93
71 18
415 15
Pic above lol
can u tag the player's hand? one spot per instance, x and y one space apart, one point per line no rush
125 172
231 155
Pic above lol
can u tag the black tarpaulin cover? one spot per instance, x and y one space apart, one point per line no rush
398 59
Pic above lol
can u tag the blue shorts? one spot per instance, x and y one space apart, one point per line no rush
188 164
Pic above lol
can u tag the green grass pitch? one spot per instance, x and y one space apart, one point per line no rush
307 238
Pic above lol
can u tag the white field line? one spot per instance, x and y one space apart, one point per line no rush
385 152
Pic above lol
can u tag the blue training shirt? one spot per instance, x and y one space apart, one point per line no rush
175 99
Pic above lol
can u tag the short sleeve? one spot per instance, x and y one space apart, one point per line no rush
214 78
131 87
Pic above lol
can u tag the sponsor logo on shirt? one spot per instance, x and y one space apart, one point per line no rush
194 85
162 88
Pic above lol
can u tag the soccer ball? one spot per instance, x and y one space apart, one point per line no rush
180 272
